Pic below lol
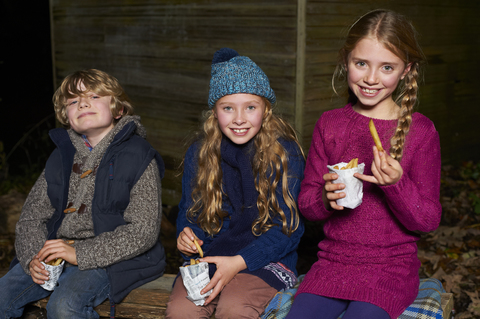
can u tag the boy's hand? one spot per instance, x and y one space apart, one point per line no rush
185 242
37 271
227 268
329 195
57 248
385 169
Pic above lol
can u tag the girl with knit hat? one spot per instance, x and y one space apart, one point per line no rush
240 185
367 264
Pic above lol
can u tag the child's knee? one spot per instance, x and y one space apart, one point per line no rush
234 309
59 307
64 306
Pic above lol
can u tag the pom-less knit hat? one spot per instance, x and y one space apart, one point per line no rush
232 73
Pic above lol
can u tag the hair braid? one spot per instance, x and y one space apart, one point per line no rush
408 99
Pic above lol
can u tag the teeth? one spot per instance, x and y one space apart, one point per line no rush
243 130
369 91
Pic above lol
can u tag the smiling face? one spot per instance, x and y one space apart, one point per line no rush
373 74
89 114
240 116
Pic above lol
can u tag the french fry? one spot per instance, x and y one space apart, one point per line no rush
192 262
352 164
376 138
55 262
200 251
58 262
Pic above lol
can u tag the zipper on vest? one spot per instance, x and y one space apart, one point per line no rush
110 168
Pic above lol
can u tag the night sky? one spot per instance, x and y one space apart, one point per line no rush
26 73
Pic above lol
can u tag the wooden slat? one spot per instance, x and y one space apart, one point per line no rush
447 305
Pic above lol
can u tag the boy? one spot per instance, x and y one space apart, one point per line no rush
101 190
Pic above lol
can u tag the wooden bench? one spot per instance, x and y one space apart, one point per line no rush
150 301
147 301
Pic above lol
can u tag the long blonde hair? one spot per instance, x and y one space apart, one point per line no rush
270 156
399 36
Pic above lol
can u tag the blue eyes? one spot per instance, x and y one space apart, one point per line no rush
229 108
364 64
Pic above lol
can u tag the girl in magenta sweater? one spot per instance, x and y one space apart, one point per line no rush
367 264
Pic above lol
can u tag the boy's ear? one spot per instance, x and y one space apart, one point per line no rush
120 114
407 69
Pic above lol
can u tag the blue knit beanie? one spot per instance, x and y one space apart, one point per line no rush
232 73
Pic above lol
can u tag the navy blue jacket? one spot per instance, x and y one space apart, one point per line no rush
121 167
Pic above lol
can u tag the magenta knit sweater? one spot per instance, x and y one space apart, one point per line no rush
369 253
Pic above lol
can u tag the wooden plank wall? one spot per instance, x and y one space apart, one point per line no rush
161 52
449 35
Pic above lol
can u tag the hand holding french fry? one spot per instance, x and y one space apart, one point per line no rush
385 169
56 249
188 244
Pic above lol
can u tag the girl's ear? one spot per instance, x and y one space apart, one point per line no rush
407 69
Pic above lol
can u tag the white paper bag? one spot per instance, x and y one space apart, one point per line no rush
54 274
195 278
353 186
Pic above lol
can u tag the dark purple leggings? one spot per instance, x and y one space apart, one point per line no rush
310 306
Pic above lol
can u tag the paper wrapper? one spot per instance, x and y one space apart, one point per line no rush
195 278
353 186
54 274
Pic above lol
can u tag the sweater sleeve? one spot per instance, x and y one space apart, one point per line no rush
274 244
31 229
415 198
310 199
142 217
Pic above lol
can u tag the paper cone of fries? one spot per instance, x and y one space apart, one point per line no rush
54 273
353 186
195 277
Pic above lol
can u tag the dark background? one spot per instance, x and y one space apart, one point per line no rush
26 74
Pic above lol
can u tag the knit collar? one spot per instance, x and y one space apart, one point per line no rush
101 147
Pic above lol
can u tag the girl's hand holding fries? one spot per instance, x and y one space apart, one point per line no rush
227 268
186 243
385 169
329 195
